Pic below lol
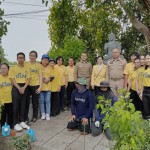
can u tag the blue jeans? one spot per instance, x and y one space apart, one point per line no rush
45 98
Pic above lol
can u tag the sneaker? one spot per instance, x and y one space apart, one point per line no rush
24 125
17 127
47 117
34 119
43 116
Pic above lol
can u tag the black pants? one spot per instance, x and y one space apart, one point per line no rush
62 97
138 103
35 100
146 101
77 124
96 90
28 98
55 103
70 88
19 102
7 114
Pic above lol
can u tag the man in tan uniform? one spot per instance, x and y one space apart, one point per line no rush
114 71
83 69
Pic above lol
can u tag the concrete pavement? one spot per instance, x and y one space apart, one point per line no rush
53 135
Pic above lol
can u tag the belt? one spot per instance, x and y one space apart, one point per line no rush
84 77
117 79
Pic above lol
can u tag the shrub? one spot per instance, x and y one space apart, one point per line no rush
128 128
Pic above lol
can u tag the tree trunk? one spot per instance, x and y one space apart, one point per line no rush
147 38
137 24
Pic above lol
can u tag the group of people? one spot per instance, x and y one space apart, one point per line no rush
46 84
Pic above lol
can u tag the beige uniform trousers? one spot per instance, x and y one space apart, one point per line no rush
116 84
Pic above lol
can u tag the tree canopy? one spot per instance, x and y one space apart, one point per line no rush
3 31
93 20
3 23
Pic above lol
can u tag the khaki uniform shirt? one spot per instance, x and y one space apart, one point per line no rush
115 69
83 70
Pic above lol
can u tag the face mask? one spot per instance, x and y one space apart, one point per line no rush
81 89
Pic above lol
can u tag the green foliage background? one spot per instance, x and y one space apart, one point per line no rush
92 21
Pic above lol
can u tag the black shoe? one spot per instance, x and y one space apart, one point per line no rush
108 134
28 122
62 109
34 119
147 117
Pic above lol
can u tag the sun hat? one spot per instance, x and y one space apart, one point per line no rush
104 84
81 81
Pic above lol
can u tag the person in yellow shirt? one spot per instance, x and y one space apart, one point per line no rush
5 96
55 87
139 80
132 87
145 92
98 74
35 85
20 77
63 80
45 94
129 68
71 86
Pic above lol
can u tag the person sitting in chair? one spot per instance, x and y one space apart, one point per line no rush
82 104
97 126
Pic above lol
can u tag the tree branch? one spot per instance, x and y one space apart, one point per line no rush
135 22
147 3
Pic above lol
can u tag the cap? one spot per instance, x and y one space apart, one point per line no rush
104 84
45 56
81 81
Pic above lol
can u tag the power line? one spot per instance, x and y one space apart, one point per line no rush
24 13
17 17
23 4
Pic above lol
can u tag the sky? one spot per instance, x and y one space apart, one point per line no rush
25 32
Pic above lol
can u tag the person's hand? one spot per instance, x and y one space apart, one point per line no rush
22 89
38 91
97 123
84 121
72 118
126 87
46 80
66 86
141 95
138 92
59 89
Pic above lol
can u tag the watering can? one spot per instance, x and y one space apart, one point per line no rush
5 130
31 134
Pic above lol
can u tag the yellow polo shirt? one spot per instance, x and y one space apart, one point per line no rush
55 84
132 78
70 72
20 74
98 75
146 77
62 73
140 77
35 70
46 73
5 90
129 68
